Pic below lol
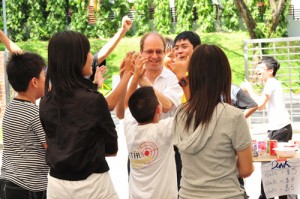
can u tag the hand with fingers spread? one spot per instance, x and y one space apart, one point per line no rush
179 67
122 68
139 71
99 76
129 61
127 64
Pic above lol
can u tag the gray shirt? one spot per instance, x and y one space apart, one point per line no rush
209 155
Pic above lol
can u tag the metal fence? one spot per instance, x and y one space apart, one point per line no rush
287 52
294 12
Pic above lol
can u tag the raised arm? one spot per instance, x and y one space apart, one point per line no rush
260 100
126 70
118 92
139 71
113 42
10 45
243 101
180 68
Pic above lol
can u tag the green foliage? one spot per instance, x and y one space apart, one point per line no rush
56 20
79 17
230 16
36 20
39 19
142 16
184 15
1 18
206 15
109 17
162 17
16 11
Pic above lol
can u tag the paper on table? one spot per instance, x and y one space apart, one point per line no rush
281 177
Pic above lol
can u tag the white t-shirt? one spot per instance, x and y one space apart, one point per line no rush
277 114
152 160
167 83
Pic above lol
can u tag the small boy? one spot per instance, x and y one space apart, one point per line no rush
24 170
149 142
272 98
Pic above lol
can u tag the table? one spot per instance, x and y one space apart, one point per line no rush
270 158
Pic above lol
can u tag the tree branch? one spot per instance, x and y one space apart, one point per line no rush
248 19
276 12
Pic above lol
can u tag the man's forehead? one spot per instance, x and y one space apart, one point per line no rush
153 41
182 42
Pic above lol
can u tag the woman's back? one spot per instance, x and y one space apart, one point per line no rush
209 155
79 131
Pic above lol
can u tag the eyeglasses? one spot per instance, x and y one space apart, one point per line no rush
150 52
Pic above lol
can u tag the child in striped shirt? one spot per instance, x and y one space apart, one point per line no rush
24 170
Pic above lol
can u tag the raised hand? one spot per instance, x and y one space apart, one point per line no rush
179 67
139 71
126 23
99 76
10 45
14 48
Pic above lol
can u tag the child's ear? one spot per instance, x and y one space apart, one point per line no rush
34 82
158 109
270 72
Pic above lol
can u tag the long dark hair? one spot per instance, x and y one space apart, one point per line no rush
67 55
209 83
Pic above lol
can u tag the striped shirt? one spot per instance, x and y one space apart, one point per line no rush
23 160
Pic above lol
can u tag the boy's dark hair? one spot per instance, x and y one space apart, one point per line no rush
188 35
142 104
21 68
271 63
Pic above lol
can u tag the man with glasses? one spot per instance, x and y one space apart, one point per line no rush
164 82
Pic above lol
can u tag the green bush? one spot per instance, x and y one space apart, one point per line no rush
39 19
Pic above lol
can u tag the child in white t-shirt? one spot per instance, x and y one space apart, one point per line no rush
149 142
272 99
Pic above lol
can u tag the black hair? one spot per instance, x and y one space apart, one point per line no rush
21 68
142 104
271 63
67 55
189 35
